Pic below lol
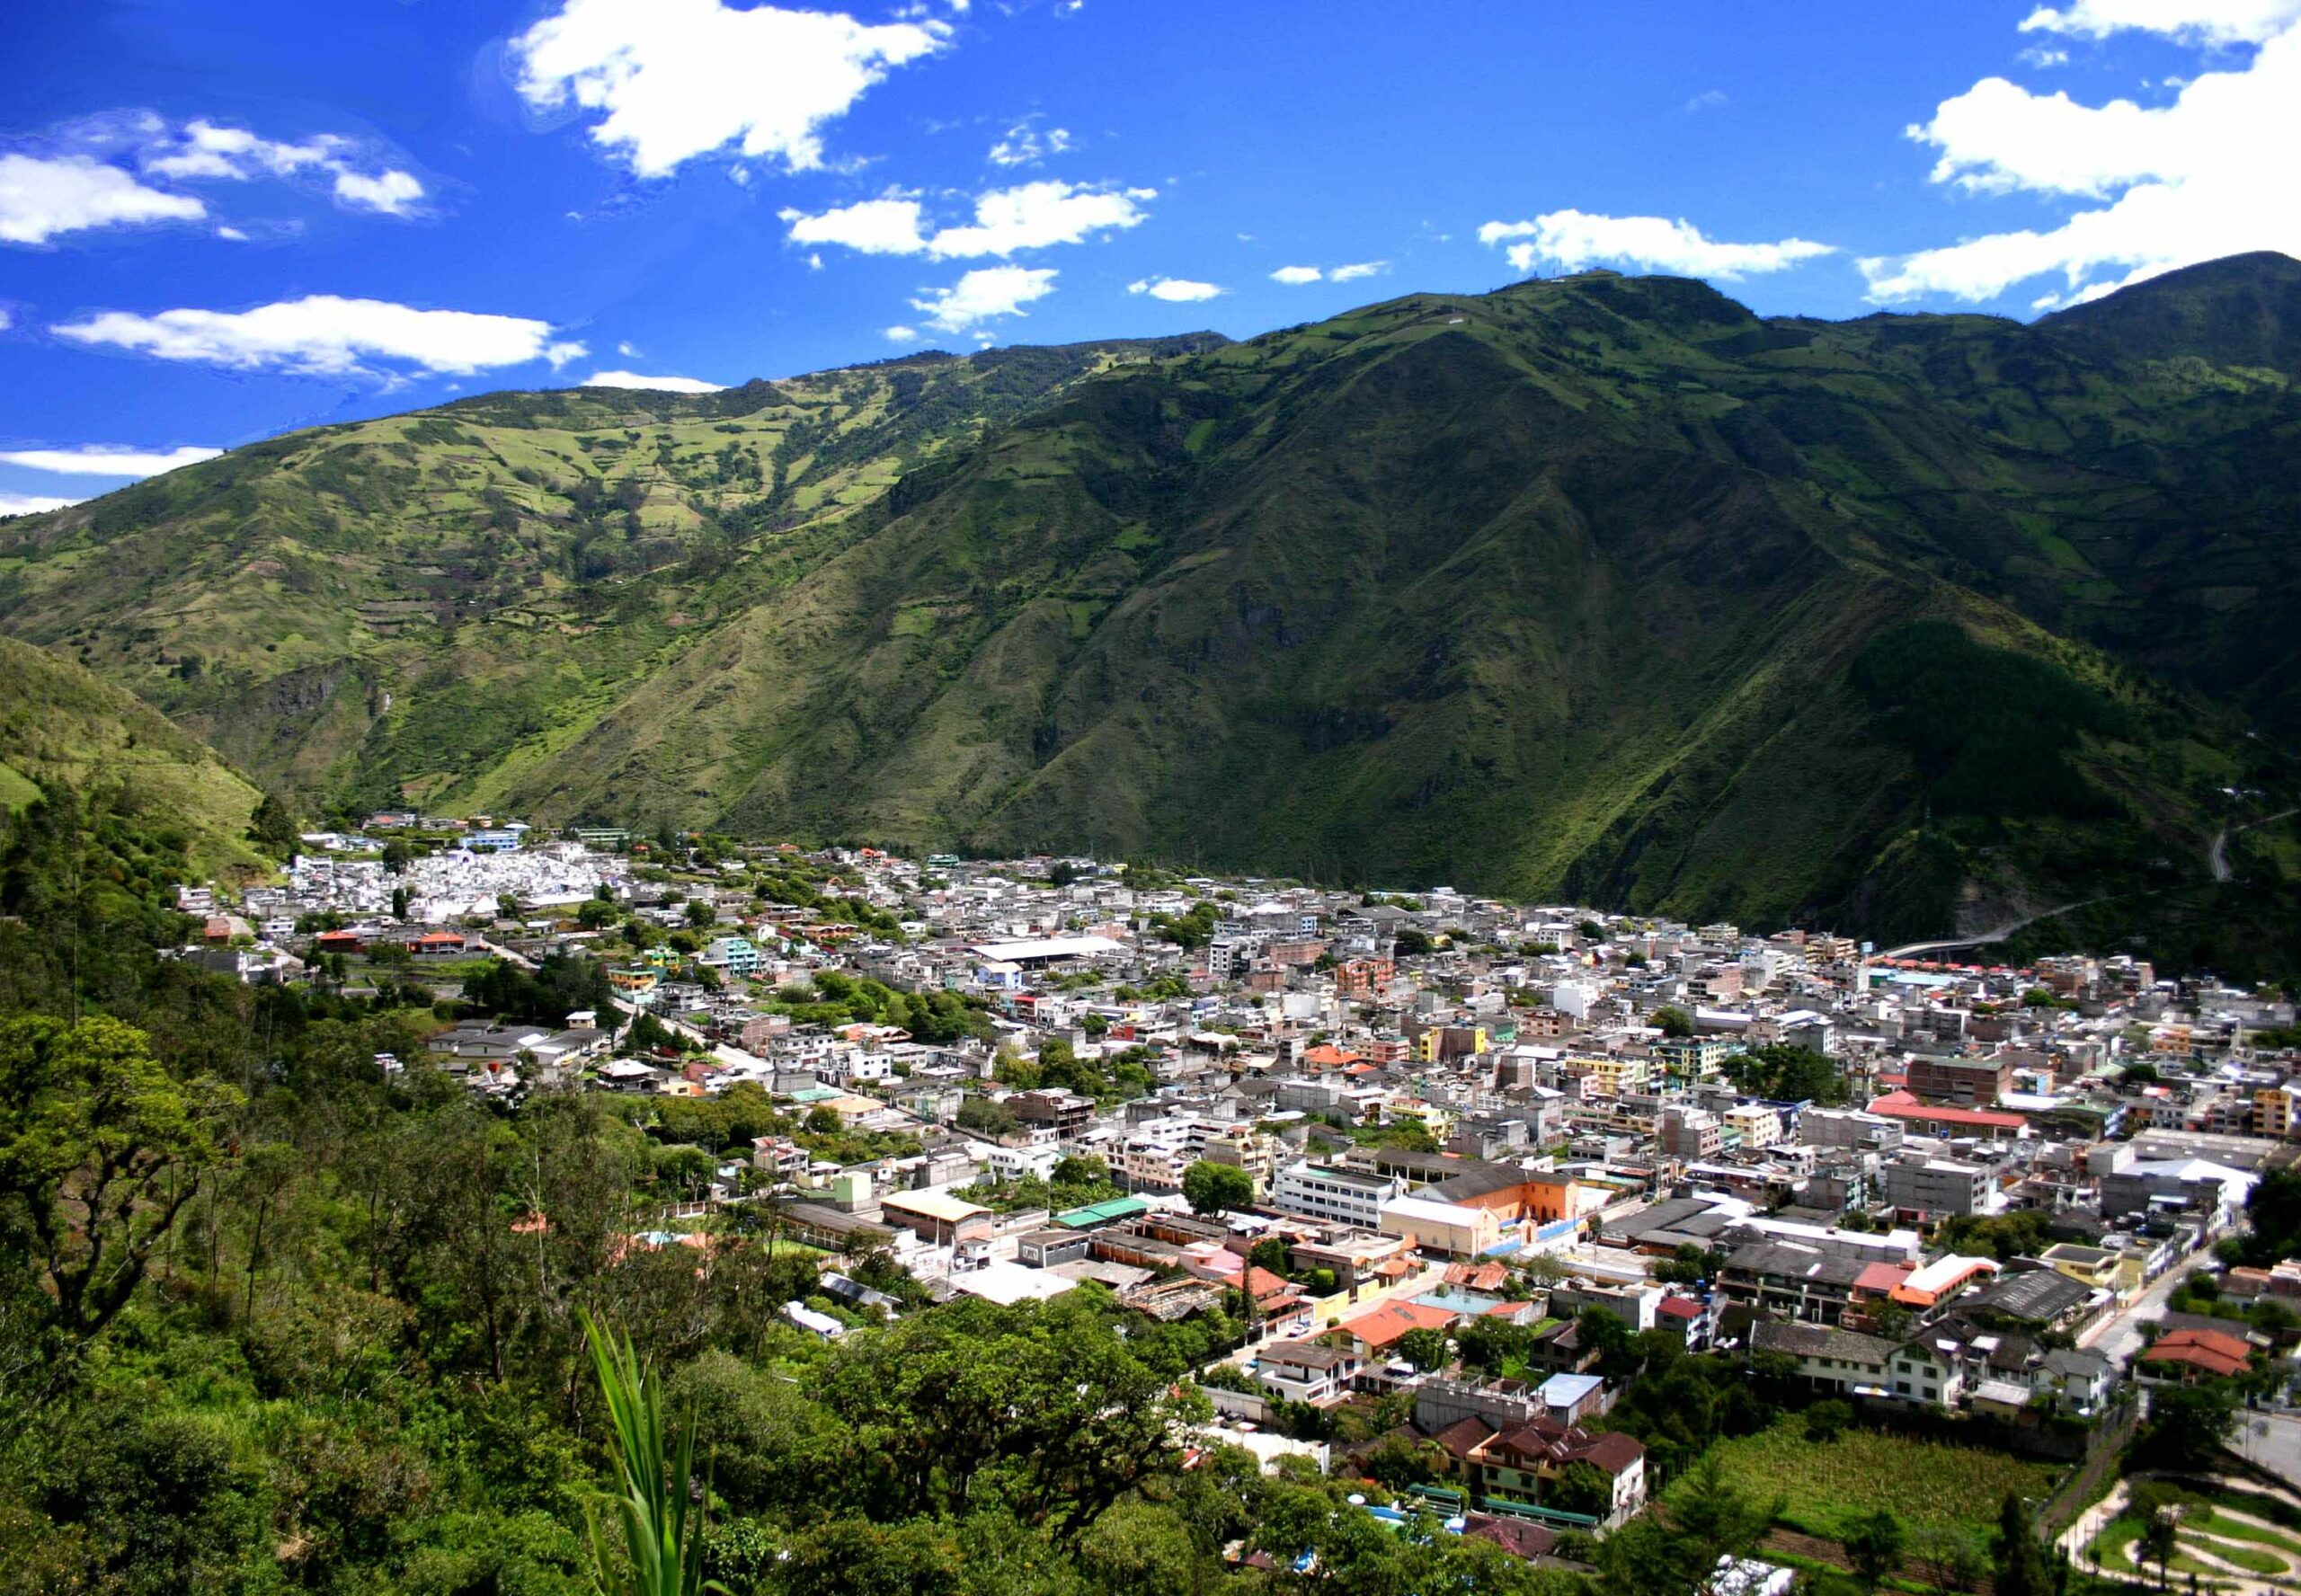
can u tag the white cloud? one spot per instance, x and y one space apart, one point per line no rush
682 78
889 226
211 150
1029 215
1036 215
899 335
41 199
323 334
1297 274
1708 100
6 320
984 293
667 385
627 349
1025 145
208 150
2205 176
232 234
1343 274
107 459
2206 22
1575 239
393 193
24 504
1175 291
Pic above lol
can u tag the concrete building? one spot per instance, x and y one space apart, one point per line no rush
1339 1196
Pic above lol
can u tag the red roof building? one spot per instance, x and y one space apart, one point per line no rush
2197 1354
1942 1121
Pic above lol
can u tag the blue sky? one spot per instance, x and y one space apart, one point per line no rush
219 222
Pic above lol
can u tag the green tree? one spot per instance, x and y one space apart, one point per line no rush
2019 1566
1673 1021
1424 1349
1217 1188
701 915
100 1151
2187 1427
272 828
1873 1547
1826 1421
2160 1542
1582 1487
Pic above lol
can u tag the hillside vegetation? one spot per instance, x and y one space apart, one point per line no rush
1598 586
60 725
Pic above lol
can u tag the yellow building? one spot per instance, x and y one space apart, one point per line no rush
2274 1113
1439 1122
1612 1075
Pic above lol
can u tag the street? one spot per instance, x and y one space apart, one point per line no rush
2118 1336
2271 1440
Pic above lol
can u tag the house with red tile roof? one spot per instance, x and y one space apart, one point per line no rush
1374 1332
2187 1355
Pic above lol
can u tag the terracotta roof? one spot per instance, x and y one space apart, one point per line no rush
1514 1535
1464 1436
1383 1325
2208 1350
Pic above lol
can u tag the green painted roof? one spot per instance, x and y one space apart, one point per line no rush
1102 1213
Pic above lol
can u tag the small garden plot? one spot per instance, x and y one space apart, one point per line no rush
1826 1485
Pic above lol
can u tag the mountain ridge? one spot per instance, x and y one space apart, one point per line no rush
1590 586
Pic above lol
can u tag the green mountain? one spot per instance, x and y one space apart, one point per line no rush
1600 587
59 723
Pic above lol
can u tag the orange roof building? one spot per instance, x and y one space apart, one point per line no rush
2192 1354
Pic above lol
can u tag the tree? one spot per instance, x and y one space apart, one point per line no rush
273 828
2019 1566
824 1120
1708 1520
1673 1022
1582 1487
986 1117
1788 1074
1424 1349
1217 1188
2187 1427
1873 1547
701 915
1826 1421
399 903
100 1151
2161 1541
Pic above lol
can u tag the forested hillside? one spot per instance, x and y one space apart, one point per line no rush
1597 587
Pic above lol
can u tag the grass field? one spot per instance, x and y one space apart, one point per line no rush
1826 1484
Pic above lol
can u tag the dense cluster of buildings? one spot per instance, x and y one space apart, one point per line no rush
1430 1095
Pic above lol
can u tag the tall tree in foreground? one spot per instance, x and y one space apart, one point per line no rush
662 1534
2021 1566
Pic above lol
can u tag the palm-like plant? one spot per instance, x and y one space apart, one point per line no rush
662 1531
